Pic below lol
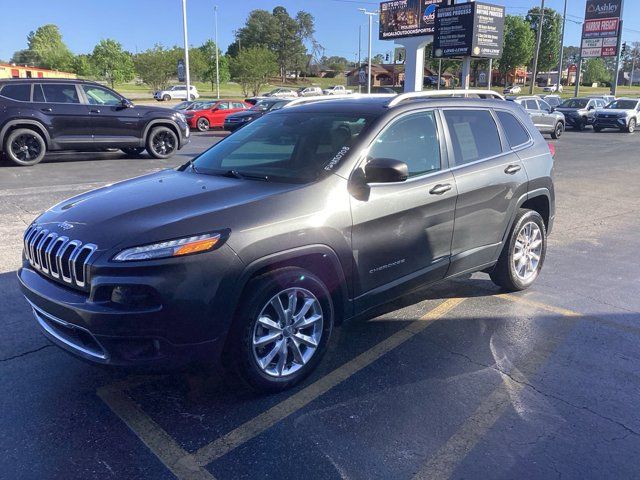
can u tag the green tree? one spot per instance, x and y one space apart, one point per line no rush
252 67
208 51
111 63
595 71
519 42
24 57
551 32
157 65
46 49
82 66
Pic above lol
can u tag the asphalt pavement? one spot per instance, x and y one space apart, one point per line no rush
459 381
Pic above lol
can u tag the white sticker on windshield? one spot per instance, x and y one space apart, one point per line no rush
336 159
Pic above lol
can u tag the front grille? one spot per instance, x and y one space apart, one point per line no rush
58 257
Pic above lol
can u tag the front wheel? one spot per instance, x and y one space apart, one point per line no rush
632 125
162 142
523 254
203 124
558 131
166 98
282 329
580 125
596 128
25 147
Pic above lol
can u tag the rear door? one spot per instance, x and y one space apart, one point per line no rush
69 118
489 177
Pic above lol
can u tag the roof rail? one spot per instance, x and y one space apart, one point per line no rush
324 98
445 93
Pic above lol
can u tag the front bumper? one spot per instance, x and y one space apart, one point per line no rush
188 322
611 122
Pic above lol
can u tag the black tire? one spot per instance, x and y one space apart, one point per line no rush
203 124
166 98
239 350
25 147
162 142
504 274
558 131
580 125
632 125
133 151
596 128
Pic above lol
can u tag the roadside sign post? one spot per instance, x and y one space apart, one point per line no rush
578 72
186 49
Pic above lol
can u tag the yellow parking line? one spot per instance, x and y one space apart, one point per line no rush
262 422
442 465
176 459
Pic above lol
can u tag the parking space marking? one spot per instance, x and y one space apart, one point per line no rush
442 465
254 427
161 444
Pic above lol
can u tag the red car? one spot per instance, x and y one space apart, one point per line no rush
212 114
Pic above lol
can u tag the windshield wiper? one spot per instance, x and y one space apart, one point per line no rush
250 176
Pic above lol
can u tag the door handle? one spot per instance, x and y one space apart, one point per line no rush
440 189
49 109
512 169
94 110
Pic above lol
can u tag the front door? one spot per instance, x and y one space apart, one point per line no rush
548 119
69 119
218 113
112 123
402 231
490 178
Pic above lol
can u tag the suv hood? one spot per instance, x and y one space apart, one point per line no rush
160 206
615 111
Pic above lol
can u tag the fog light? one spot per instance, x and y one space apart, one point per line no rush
135 296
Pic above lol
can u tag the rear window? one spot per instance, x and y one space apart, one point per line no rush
19 91
60 93
474 134
516 134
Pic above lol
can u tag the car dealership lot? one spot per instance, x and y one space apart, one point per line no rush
456 382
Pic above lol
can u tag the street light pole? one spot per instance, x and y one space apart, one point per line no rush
215 14
564 24
370 15
186 49
534 73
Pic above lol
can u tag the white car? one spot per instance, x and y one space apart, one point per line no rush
336 90
552 88
282 93
309 91
512 90
622 114
178 92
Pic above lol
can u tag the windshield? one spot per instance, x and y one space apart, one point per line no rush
623 104
289 147
263 105
575 103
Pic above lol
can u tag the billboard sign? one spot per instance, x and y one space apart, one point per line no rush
469 30
602 28
408 18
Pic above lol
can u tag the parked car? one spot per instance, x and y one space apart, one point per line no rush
607 98
552 88
183 105
336 90
42 115
254 100
512 90
213 115
543 116
282 93
177 92
252 252
553 100
432 81
309 91
384 90
236 120
623 113
580 112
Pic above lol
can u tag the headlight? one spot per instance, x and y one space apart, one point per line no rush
171 248
246 119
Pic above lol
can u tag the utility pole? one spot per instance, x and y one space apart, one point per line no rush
614 84
564 24
370 15
578 75
534 72
186 48
634 52
215 14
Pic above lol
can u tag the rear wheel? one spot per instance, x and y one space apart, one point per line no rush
282 329
632 125
25 147
133 151
203 124
523 254
166 98
162 142
558 131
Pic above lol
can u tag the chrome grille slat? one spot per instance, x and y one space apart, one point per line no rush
58 257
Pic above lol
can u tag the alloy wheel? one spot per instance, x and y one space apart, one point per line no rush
203 124
163 143
26 147
527 251
287 332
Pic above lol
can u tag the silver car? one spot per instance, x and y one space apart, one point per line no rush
544 117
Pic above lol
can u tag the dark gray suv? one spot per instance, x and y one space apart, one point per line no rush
252 252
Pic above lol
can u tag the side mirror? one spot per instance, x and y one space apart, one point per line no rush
126 103
386 170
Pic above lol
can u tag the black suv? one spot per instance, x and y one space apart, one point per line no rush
39 115
309 216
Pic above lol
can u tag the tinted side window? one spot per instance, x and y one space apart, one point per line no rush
474 135
38 96
412 139
238 105
100 96
544 105
531 105
515 132
60 93
223 106
19 91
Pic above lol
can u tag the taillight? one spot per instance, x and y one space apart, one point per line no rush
552 149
